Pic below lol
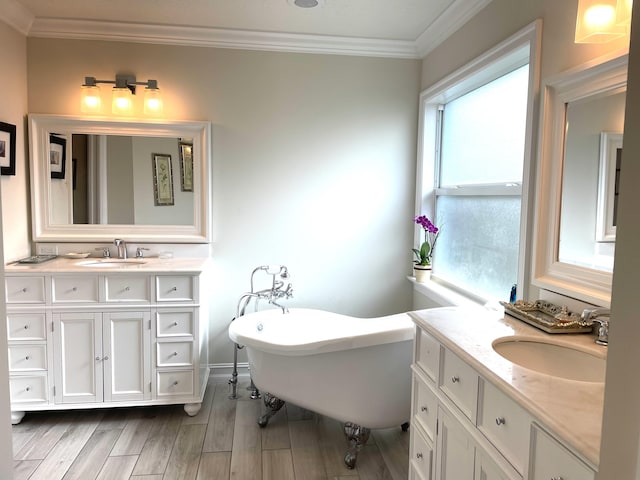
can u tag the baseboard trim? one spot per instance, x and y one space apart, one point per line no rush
220 371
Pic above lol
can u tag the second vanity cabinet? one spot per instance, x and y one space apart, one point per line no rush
466 428
134 336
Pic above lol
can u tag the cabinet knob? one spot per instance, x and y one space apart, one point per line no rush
419 455
424 409
175 324
26 327
97 359
27 357
26 389
174 354
106 357
74 289
455 379
175 383
24 290
126 289
174 289
500 421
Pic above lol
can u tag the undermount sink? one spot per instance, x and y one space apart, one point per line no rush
111 263
552 358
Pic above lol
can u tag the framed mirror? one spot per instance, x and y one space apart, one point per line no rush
579 167
95 179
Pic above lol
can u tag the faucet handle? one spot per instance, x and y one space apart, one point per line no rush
105 251
603 330
140 252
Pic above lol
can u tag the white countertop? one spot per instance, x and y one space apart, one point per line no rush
572 410
149 265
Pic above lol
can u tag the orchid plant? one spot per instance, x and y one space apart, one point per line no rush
431 232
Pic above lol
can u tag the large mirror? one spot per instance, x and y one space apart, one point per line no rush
97 179
580 166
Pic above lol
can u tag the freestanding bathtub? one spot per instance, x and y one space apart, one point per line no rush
355 370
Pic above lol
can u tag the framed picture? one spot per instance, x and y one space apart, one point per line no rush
7 149
162 179
57 156
608 186
186 166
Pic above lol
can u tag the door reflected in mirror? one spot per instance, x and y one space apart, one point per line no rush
113 182
591 167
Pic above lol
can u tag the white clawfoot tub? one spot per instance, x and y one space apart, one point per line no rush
356 370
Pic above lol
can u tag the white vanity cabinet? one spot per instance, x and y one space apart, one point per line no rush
472 429
86 340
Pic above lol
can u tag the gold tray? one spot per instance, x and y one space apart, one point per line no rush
547 317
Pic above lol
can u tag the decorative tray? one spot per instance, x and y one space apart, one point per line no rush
547 316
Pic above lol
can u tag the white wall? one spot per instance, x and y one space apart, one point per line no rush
13 199
313 162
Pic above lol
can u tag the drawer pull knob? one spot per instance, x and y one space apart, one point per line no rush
424 409
106 357
174 289
455 379
175 383
27 389
175 324
419 455
126 289
97 359
174 354
74 289
24 290
26 327
27 357
500 421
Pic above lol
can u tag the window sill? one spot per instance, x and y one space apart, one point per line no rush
442 295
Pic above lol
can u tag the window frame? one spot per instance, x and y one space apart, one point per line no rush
517 50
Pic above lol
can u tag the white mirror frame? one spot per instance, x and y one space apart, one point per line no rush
589 285
40 126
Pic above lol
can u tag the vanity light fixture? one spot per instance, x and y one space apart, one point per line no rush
600 21
122 95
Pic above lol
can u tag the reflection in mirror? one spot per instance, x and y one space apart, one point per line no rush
582 119
113 182
593 130
109 187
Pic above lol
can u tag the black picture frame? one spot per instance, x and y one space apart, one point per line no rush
7 149
57 156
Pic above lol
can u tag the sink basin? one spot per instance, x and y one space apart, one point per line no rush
552 358
111 263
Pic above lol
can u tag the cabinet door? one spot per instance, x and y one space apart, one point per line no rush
455 449
551 460
78 357
487 469
127 359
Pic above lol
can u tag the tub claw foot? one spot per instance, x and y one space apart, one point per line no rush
405 426
357 437
273 404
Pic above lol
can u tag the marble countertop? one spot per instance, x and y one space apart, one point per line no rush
571 409
146 265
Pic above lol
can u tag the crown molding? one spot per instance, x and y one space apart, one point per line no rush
454 17
16 15
220 38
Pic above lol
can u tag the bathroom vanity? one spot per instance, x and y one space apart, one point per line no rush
98 333
477 415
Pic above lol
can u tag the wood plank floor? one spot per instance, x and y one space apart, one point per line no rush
222 442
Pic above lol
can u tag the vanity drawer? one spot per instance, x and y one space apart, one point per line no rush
427 354
425 406
127 288
174 354
421 456
174 383
175 288
460 383
174 323
505 424
27 358
28 389
549 459
25 289
26 326
75 289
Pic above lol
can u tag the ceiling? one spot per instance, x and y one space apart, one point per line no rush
390 28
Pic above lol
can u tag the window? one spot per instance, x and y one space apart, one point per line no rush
475 148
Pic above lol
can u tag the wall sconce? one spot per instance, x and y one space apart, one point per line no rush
122 95
600 21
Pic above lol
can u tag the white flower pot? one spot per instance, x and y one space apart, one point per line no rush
422 273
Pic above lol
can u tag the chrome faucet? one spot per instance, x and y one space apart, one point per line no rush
122 248
601 316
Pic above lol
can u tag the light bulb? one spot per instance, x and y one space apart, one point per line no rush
122 101
152 101
90 99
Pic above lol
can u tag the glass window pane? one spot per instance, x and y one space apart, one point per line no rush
477 249
483 133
